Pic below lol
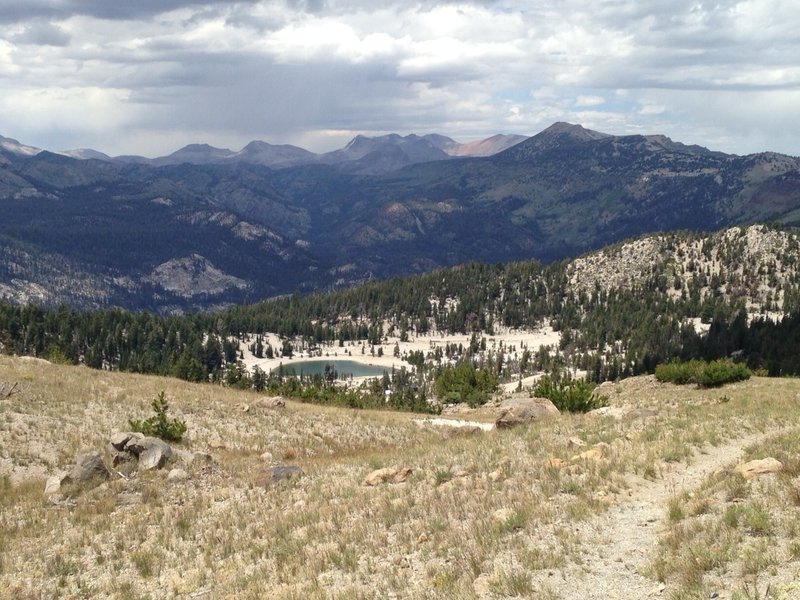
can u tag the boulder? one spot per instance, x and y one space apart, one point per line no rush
155 455
88 466
754 468
518 411
273 402
152 452
387 475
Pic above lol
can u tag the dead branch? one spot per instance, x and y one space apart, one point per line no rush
8 388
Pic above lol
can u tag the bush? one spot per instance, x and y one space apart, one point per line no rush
679 373
158 425
704 374
720 372
465 383
571 395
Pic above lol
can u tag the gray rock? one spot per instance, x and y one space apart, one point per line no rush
152 452
88 466
517 411
119 439
279 473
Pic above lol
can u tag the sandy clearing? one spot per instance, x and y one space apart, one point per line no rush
512 341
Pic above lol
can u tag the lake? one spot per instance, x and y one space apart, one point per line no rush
344 368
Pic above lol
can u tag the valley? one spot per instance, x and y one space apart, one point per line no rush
425 478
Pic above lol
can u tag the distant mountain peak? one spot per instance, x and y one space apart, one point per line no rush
575 132
12 146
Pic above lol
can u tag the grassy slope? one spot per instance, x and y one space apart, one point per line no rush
482 514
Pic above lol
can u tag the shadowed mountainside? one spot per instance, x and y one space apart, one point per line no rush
116 229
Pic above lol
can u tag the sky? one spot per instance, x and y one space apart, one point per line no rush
150 76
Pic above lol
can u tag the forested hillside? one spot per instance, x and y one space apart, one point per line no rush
619 312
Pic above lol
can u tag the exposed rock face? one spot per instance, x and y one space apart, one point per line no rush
516 411
193 275
387 475
754 468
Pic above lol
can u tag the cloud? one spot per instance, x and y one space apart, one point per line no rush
319 71
41 33
589 100
21 10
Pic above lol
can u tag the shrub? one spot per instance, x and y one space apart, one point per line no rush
704 374
465 383
158 425
572 395
679 373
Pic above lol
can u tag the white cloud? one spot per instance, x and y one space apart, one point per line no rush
310 72
589 100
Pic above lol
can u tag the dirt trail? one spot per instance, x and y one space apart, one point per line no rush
622 538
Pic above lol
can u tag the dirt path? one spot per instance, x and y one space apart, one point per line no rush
622 539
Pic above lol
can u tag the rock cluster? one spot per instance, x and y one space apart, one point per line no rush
149 452
134 450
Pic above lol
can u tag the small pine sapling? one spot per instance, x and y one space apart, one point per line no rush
158 425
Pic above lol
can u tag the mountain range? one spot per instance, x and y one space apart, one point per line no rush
362 154
206 227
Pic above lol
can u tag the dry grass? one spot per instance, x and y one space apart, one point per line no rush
736 534
482 507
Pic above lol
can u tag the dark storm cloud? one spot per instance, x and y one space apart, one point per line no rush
21 10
